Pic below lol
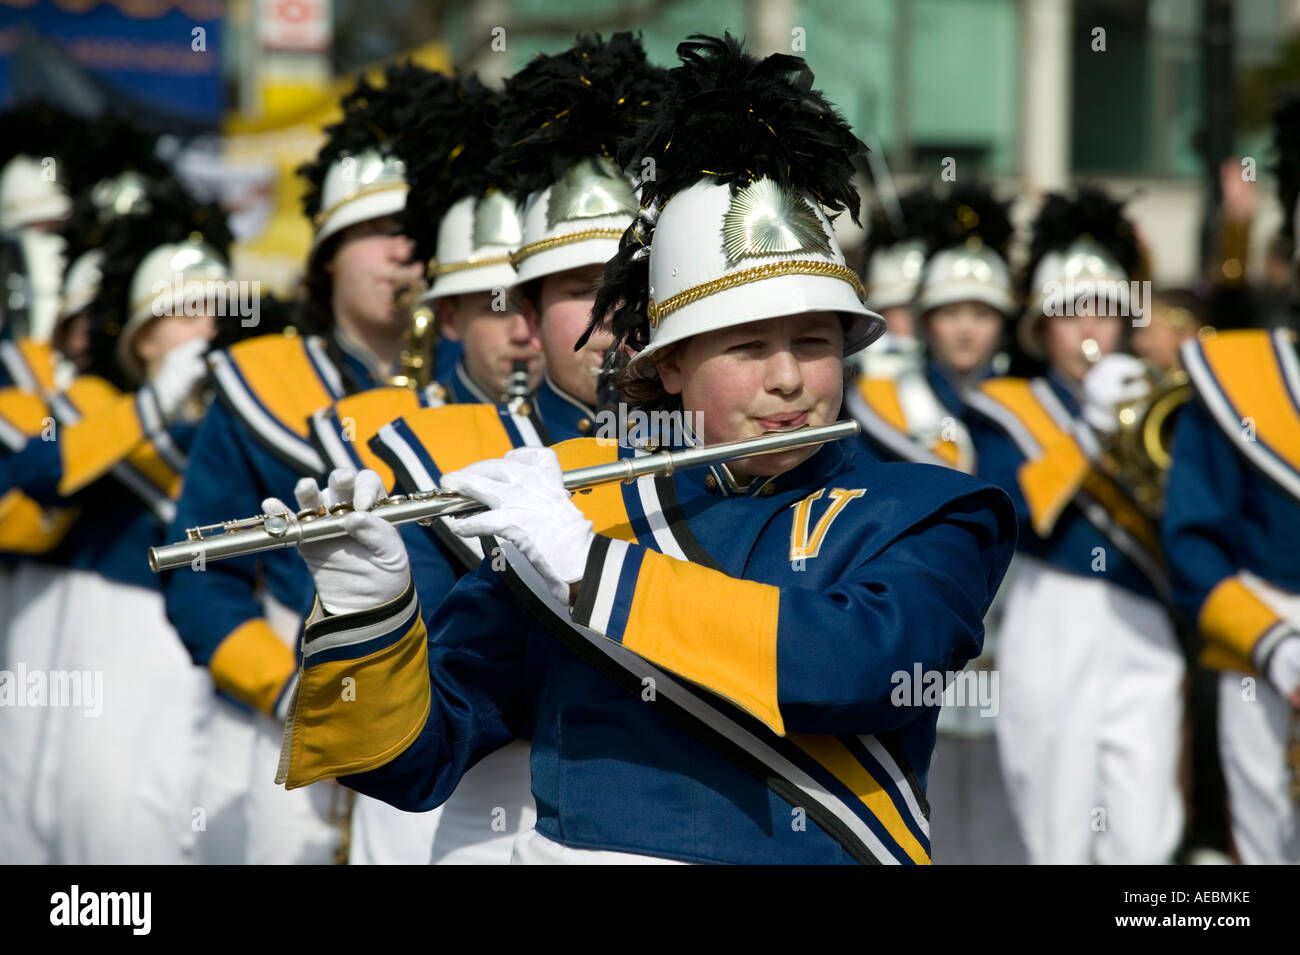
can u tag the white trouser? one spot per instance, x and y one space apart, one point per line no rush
250 819
1090 719
27 745
1254 728
533 848
127 769
476 826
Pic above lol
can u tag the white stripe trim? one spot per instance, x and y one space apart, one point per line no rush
320 356
882 755
414 467
323 428
19 371
302 453
900 444
1006 419
12 438
1228 420
356 635
526 430
565 396
654 514
1269 641
611 571
471 386
693 705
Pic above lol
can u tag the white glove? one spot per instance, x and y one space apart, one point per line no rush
529 508
1115 380
368 567
1284 668
182 371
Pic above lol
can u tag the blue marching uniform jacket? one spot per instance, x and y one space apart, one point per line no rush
110 459
1032 442
1233 504
730 685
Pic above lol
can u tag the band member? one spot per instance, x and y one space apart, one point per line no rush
762 606
1231 519
962 300
894 255
476 228
240 619
122 766
1091 671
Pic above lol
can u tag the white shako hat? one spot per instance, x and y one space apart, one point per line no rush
471 226
28 194
894 252
81 283
362 170
476 239
733 226
176 278
563 119
358 187
123 194
893 273
1082 245
969 238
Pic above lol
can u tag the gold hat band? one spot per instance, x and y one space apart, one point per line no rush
543 245
369 190
658 311
440 269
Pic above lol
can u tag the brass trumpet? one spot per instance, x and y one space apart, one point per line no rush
419 354
265 532
1142 447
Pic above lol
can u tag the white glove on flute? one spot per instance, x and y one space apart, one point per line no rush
180 375
530 508
368 567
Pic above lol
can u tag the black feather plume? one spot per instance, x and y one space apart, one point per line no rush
966 212
456 149
732 118
573 105
917 208
1090 212
399 118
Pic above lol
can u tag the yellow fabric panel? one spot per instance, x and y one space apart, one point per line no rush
1051 480
948 451
603 505
456 436
98 441
28 528
882 397
146 459
281 375
833 754
40 359
25 411
1232 620
368 411
1246 368
253 664
333 735
684 618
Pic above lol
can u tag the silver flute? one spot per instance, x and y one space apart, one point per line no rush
265 532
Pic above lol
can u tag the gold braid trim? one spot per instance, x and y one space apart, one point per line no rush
543 245
658 311
367 191
484 262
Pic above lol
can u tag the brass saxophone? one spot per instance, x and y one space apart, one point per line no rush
419 354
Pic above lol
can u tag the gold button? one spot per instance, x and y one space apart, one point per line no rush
652 446
584 425
767 490
525 410
710 482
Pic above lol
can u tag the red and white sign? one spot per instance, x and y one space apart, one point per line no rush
300 26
